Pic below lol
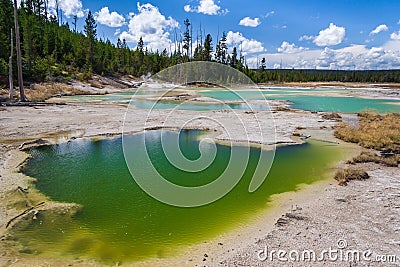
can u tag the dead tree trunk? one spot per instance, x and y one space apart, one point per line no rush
18 46
10 68
46 4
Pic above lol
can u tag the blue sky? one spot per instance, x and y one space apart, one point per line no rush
340 34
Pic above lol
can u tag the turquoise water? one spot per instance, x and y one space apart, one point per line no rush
140 102
340 104
116 98
226 95
125 98
121 223
197 106
305 99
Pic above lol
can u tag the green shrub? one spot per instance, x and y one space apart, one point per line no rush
3 68
43 69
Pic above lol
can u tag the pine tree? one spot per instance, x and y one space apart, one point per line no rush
140 53
198 53
234 60
140 45
263 64
6 23
221 50
207 48
187 38
91 34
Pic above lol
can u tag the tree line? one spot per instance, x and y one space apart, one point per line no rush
263 75
52 50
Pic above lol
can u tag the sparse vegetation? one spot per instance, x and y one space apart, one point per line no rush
374 131
42 92
346 175
285 109
370 156
332 116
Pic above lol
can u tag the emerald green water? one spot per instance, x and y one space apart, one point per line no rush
120 223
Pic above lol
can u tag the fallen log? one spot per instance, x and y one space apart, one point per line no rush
39 141
23 213
126 83
30 104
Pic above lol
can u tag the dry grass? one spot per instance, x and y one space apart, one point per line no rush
346 175
374 131
332 116
285 109
42 92
380 132
370 156
96 84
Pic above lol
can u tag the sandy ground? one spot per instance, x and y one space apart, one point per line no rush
365 214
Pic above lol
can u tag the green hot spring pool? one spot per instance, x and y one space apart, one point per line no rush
120 223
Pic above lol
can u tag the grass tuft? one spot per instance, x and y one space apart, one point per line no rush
285 109
345 175
332 116
369 156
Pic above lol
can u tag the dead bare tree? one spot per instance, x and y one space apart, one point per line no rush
46 4
57 12
75 19
191 41
18 46
10 68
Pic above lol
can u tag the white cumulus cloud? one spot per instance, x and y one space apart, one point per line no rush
333 35
306 38
247 46
152 26
112 19
287 48
249 22
395 36
351 57
68 7
378 29
269 14
207 7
